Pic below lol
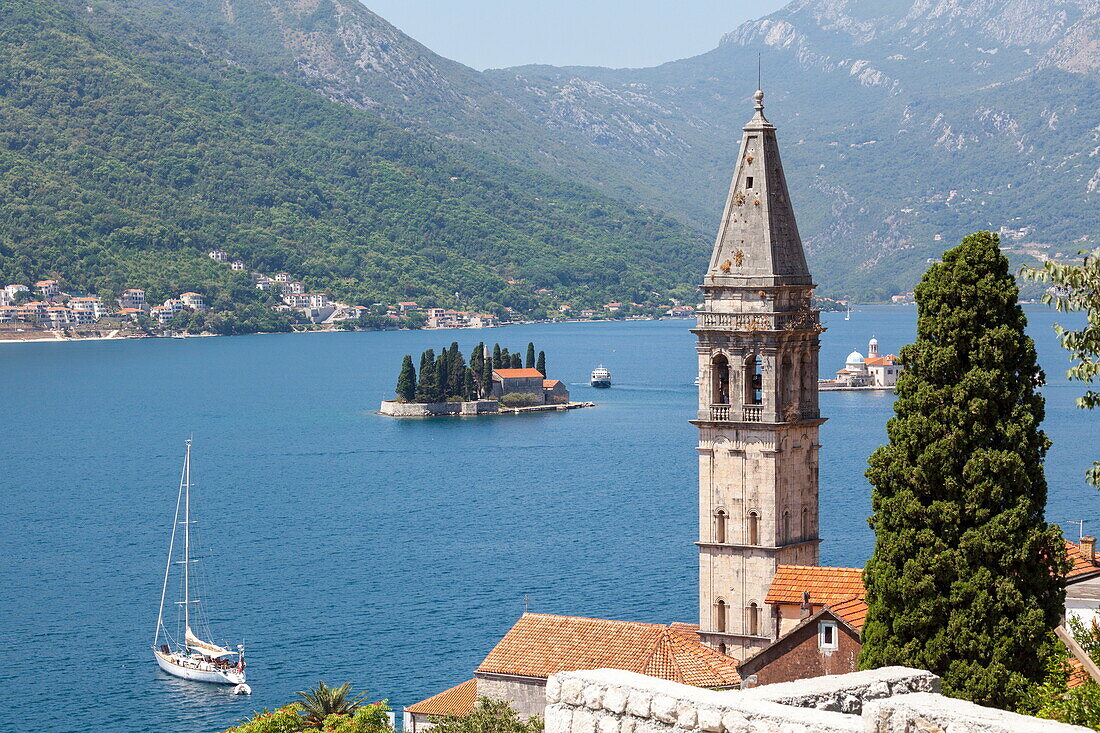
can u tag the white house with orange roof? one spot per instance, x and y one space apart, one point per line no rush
873 371
49 288
162 313
194 301
86 309
58 316
13 290
9 313
132 298
218 255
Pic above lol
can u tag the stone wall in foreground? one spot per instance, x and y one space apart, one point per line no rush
889 700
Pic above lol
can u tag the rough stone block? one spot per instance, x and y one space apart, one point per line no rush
558 718
593 697
608 724
637 703
710 719
583 721
571 689
553 690
664 708
614 699
735 722
686 715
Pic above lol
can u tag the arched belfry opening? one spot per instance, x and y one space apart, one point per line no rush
752 619
753 528
720 380
720 526
753 380
720 615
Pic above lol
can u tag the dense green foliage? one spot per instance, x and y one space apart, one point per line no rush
966 579
125 155
1077 288
488 716
449 378
1054 698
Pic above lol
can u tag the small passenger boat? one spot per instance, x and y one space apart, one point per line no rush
190 657
601 377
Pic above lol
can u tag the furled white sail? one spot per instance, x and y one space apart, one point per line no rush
210 650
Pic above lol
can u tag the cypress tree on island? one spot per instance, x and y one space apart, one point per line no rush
516 362
966 579
406 381
428 389
496 354
529 362
541 364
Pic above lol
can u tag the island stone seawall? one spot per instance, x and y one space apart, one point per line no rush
393 408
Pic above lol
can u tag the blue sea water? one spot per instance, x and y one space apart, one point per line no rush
344 546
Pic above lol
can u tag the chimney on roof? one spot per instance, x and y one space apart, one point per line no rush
1088 548
806 608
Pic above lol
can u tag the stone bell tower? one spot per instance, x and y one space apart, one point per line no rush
758 411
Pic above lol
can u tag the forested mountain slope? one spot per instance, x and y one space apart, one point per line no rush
126 154
905 123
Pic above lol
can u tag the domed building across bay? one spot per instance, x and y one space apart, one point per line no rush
873 371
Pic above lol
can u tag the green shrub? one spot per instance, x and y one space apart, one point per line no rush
520 399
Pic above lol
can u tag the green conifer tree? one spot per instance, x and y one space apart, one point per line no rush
406 381
505 360
496 353
966 577
487 378
529 362
470 389
517 362
477 365
428 388
456 375
541 364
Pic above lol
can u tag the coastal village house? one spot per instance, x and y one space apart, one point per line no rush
48 288
194 301
132 298
218 255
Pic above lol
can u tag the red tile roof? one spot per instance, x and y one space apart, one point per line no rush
825 585
517 373
550 383
852 612
538 645
880 361
1081 565
459 700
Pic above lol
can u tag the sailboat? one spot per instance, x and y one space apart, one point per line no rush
848 315
191 657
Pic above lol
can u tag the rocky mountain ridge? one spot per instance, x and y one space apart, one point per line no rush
904 123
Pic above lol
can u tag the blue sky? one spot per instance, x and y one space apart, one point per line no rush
495 33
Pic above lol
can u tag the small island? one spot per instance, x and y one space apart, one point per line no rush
489 383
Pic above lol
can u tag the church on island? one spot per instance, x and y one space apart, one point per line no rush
875 371
767 611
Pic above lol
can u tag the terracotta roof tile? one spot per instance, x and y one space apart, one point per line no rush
1081 565
459 700
518 373
825 585
1078 675
538 645
549 383
852 612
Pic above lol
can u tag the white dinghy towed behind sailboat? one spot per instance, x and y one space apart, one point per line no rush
193 658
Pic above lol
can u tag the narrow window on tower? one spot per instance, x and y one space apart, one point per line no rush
786 535
720 389
720 527
754 528
805 529
753 381
720 616
754 619
748 182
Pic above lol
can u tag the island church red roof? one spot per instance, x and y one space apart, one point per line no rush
517 373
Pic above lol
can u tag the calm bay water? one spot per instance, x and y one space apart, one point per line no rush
344 546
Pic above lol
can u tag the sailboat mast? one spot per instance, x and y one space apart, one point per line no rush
187 541
171 550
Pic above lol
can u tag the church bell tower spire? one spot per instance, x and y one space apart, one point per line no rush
758 419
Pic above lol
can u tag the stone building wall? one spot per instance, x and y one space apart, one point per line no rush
888 700
526 694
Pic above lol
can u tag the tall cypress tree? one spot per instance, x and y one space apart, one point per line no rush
516 362
529 362
966 579
477 365
541 364
456 375
487 378
406 380
496 354
428 388
505 360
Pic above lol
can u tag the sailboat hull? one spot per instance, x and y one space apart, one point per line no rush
217 676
